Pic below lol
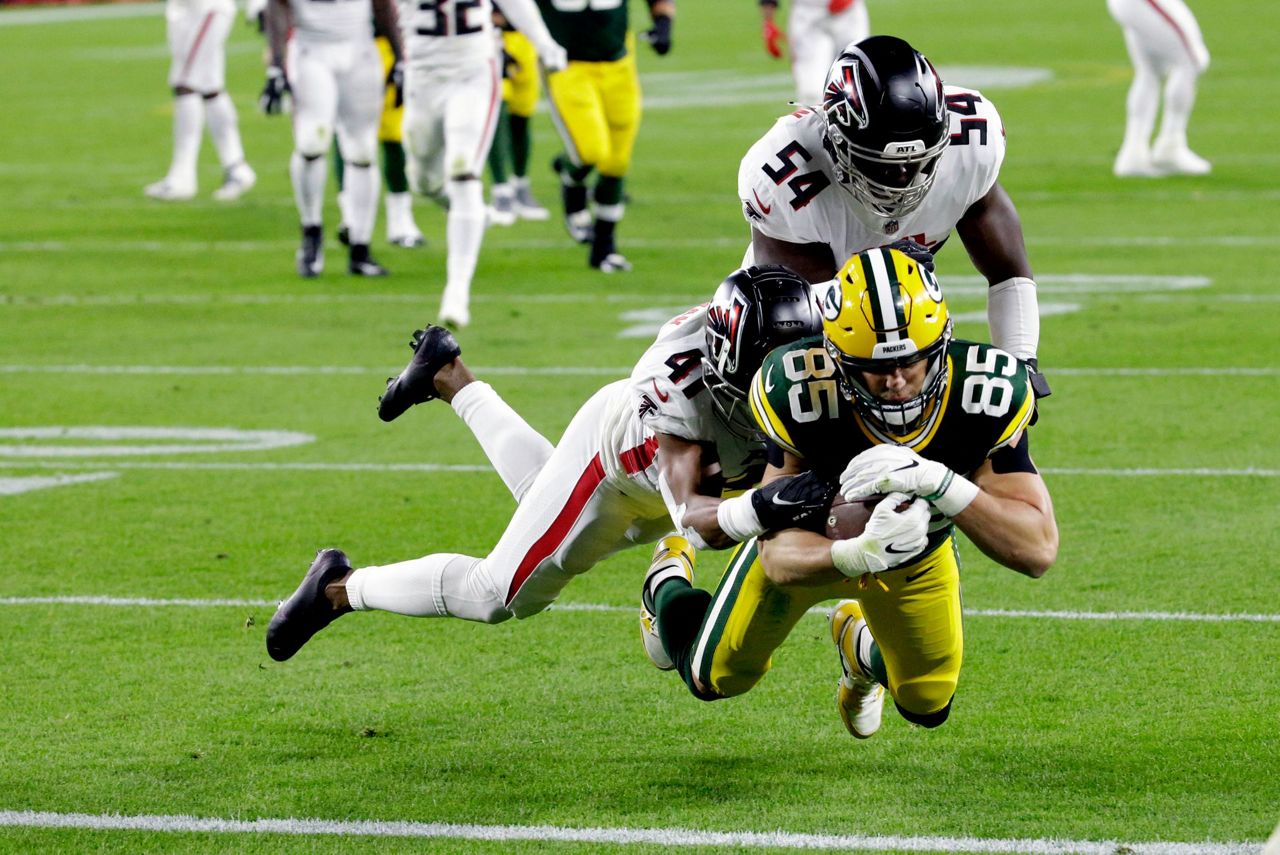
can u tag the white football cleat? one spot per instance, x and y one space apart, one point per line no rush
1134 162
401 229
502 210
454 311
859 698
673 558
237 181
168 190
527 207
1179 160
614 262
580 225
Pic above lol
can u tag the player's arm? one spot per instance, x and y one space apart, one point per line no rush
813 261
708 520
773 35
525 17
1011 518
663 13
992 234
277 21
387 22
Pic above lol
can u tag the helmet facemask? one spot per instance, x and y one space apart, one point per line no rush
898 418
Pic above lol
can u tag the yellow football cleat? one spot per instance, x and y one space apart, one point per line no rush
859 698
673 558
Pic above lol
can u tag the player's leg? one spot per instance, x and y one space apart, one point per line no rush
812 50
425 95
185 34
502 195
471 112
360 92
577 112
1143 99
340 177
521 102
401 228
315 105
620 96
1187 59
915 645
516 450
209 79
853 24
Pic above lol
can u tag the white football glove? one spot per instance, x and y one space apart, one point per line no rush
890 538
896 468
552 56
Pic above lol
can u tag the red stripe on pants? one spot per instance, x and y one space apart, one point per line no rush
1182 37
559 529
495 98
195 46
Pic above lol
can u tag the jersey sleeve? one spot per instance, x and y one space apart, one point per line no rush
766 200
768 403
667 383
1022 409
977 136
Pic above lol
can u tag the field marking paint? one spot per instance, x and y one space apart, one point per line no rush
80 14
14 486
617 835
198 441
1017 614
563 370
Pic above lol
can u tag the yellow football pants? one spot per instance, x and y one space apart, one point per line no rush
596 108
520 91
389 130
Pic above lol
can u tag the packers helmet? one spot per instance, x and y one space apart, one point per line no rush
883 311
753 311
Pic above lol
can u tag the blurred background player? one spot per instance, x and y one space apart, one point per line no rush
1164 43
595 104
336 81
891 156
401 228
510 196
197 33
818 30
453 92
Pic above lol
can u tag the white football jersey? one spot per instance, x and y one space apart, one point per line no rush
789 191
180 8
667 394
447 32
332 20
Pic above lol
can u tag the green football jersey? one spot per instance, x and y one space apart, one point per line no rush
589 30
796 399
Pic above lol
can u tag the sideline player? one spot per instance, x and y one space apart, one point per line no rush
197 33
595 104
891 154
453 90
642 452
336 79
817 30
511 196
1164 43
887 402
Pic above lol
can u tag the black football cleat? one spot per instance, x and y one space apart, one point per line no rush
363 264
308 611
344 235
433 348
310 258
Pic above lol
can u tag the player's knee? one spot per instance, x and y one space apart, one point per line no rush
209 96
357 164
925 702
313 145
358 154
179 91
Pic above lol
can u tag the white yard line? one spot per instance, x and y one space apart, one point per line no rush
661 837
80 14
1016 614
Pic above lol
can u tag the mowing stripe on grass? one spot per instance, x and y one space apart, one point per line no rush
1027 614
637 836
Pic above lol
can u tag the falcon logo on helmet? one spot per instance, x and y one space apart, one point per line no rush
891 314
753 311
886 126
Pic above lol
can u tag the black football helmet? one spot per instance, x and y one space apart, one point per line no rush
886 125
753 311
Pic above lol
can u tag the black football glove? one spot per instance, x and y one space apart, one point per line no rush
792 502
395 78
917 252
510 65
274 91
659 38
1039 386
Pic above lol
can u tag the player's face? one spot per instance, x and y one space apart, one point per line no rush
900 383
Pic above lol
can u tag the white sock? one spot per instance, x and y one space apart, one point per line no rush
360 186
465 233
399 214
1179 98
308 186
514 448
442 585
224 127
188 122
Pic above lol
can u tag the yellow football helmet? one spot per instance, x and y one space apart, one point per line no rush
882 311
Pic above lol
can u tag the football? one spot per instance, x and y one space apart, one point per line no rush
848 519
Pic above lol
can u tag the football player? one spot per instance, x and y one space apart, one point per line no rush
1165 44
336 80
512 198
817 30
886 401
661 446
197 33
891 155
452 95
595 104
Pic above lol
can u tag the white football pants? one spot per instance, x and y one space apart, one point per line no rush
570 517
197 50
817 37
449 120
336 86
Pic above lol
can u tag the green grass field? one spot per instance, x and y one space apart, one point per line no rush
1131 695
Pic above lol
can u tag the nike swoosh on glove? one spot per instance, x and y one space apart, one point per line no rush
792 502
892 537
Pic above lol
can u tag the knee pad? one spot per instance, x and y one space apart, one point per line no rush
314 141
925 702
929 720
